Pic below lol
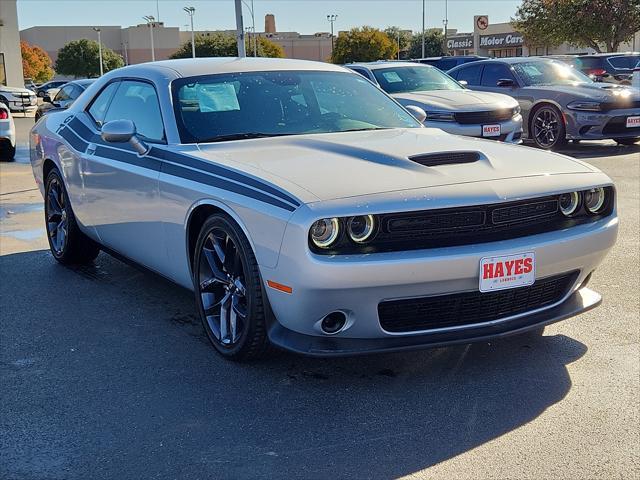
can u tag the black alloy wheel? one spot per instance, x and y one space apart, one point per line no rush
67 243
229 290
547 127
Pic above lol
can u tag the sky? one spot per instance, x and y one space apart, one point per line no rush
304 16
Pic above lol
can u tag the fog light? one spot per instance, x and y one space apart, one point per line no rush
569 203
324 232
333 322
594 200
361 228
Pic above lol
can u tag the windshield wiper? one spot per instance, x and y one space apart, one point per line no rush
361 129
242 136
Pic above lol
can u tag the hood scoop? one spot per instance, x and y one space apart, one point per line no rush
445 158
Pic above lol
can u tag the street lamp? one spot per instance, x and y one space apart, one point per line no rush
423 8
331 19
446 26
253 22
150 20
96 29
190 11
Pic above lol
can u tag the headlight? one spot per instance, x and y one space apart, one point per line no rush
440 116
324 232
594 200
361 228
569 203
585 106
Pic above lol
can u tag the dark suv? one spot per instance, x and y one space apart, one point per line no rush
609 67
447 63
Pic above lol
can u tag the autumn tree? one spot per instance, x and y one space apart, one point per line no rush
220 44
600 24
364 44
81 58
36 64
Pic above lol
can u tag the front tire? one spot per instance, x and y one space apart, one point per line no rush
547 128
627 141
67 243
228 290
7 151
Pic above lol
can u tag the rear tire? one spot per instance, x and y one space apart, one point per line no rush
67 243
547 128
7 151
228 290
627 141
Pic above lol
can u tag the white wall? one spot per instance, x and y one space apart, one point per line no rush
10 43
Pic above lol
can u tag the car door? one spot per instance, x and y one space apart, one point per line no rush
470 74
121 189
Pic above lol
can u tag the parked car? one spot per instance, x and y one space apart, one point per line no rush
309 210
636 77
447 104
30 85
64 98
609 67
18 99
447 63
7 134
41 91
558 102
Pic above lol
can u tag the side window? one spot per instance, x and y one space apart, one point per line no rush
99 105
138 102
494 72
65 93
470 74
75 92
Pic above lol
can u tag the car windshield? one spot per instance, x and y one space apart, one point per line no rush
549 73
402 79
244 105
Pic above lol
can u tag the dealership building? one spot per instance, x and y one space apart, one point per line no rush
501 40
10 57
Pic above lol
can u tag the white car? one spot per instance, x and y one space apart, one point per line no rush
7 134
18 99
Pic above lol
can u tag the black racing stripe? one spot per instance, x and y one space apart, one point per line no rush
83 131
73 140
201 177
126 157
220 171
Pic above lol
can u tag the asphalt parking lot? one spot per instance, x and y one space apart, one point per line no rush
105 372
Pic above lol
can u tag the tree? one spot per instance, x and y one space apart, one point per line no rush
220 44
404 37
81 58
433 41
599 24
364 44
36 64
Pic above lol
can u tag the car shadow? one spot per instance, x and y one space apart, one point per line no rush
108 374
588 150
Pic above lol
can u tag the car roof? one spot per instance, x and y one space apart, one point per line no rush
85 82
612 54
509 60
387 64
189 67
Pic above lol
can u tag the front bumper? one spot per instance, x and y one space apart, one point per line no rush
579 302
599 126
510 130
7 132
18 104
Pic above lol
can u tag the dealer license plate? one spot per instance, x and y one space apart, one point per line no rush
507 271
491 130
633 122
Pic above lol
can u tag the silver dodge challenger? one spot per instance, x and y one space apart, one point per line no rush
308 210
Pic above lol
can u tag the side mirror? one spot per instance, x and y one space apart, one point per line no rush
122 131
464 83
506 82
417 112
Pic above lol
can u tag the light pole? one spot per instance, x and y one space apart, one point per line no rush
446 26
99 50
253 27
242 49
126 53
398 44
150 20
423 8
190 11
332 19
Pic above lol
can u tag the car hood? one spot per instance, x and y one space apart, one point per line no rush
323 167
14 89
595 91
454 100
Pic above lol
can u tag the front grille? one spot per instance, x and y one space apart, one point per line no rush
467 308
478 118
606 106
619 125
